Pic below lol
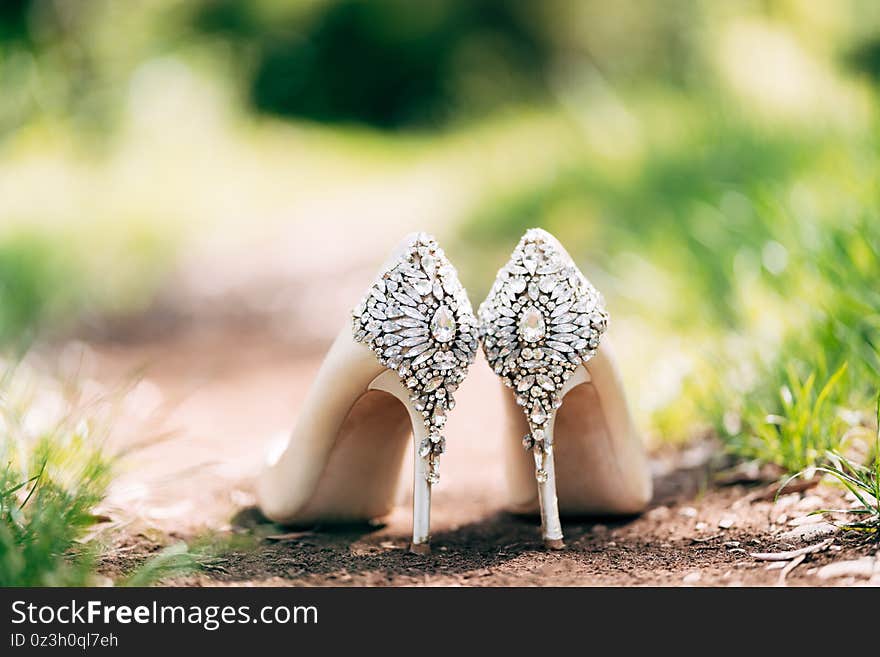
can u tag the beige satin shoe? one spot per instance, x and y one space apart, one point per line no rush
391 374
541 328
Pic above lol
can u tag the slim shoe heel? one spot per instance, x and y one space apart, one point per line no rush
545 473
423 468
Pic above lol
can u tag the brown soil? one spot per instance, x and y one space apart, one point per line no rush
221 396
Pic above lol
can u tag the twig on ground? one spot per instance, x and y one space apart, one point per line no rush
748 473
771 492
290 536
706 539
792 554
794 563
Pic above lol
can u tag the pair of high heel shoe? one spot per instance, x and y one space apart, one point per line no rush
396 369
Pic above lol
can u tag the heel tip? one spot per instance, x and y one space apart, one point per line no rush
420 548
554 544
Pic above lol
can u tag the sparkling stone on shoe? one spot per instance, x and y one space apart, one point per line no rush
538 416
532 325
443 324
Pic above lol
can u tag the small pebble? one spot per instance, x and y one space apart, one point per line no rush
786 501
726 522
855 568
688 512
808 532
659 513
700 526
810 503
692 578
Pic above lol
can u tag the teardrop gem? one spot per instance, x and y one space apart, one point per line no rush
443 325
532 325
538 416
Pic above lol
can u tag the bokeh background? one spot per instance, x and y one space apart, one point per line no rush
225 175
214 160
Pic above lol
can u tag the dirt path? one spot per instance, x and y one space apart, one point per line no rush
220 396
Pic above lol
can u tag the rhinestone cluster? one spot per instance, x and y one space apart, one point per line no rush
418 320
541 320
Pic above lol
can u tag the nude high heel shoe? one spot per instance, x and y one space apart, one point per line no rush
541 327
392 372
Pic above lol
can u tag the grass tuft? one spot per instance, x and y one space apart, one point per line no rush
44 515
862 481
798 430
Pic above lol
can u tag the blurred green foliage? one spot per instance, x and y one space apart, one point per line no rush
386 63
383 63
13 20
691 205
35 282
50 280
865 58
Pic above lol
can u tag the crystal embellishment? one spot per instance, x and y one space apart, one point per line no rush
532 326
431 340
443 325
559 318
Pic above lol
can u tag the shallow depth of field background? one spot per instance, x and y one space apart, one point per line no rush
173 167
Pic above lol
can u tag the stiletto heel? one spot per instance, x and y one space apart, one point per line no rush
422 467
545 473
551 527
541 327
393 372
